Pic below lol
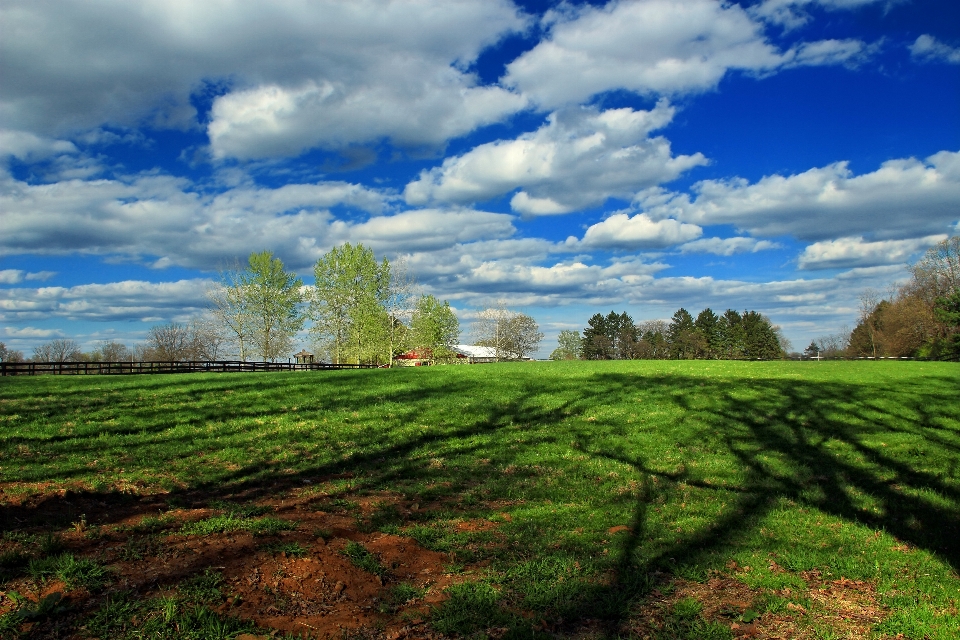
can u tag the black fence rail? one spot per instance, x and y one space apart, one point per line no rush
128 368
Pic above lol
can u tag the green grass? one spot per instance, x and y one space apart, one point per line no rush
187 613
72 571
362 558
228 523
848 468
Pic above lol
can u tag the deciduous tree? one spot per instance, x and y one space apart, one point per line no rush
512 335
523 336
568 346
348 304
274 304
434 327
10 355
231 307
170 343
111 351
59 350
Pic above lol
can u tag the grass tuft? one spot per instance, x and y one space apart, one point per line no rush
362 558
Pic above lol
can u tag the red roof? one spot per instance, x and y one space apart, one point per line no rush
413 354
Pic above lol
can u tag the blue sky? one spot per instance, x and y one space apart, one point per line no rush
565 158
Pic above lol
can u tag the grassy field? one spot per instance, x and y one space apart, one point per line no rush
571 499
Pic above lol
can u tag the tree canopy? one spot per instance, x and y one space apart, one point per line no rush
919 319
730 336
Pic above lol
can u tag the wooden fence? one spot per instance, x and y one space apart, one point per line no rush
128 368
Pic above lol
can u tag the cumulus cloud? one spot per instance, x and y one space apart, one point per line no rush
270 121
159 216
115 301
11 276
28 147
904 197
621 231
654 47
728 246
578 158
292 71
856 252
929 49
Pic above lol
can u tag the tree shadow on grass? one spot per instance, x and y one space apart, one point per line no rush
823 444
818 445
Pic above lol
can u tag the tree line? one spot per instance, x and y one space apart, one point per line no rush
731 336
360 310
919 319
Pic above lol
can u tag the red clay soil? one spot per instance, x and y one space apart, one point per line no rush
323 595
318 595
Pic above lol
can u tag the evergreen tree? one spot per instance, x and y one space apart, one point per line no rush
596 343
761 341
707 325
732 336
685 343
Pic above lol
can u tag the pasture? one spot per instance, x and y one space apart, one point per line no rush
638 499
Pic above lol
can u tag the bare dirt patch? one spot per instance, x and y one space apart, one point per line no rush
297 581
847 608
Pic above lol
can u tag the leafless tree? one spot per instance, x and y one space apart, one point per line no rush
232 309
869 300
937 273
111 351
59 350
402 296
208 336
10 355
512 335
171 343
834 344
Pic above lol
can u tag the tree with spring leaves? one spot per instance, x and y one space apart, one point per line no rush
349 304
275 300
568 346
259 306
434 328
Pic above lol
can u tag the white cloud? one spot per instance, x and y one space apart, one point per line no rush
15 276
159 216
116 301
662 47
11 276
928 48
621 231
294 69
269 121
28 147
793 13
829 52
856 252
728 246
579 158
426 229
903 198
32 332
